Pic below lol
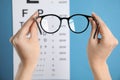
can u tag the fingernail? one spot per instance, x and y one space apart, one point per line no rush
93 13
35 14
90 19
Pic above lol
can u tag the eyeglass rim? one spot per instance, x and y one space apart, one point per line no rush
50 15
86 16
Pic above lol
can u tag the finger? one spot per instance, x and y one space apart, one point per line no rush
93 24
34 31
103 28
26 27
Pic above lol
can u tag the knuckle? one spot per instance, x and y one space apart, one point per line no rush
111 43
11 39
115 42
16 41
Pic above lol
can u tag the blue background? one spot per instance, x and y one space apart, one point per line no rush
108 10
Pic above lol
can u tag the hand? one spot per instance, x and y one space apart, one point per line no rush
99 49
27 47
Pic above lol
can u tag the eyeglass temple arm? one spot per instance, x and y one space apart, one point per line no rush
38 26
95 32
97 24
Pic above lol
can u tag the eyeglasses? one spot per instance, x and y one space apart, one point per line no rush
51 23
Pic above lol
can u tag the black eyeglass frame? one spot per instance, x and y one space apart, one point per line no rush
67 18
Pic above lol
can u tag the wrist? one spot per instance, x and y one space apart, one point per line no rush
25 72
100 69
98 65
97 62
29 68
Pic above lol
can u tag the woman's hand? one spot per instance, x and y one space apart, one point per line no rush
27 47
99 49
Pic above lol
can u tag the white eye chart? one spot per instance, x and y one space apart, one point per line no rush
54 60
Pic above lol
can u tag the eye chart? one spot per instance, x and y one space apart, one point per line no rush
54 61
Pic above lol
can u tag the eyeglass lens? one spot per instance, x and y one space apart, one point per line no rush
78 23
50 23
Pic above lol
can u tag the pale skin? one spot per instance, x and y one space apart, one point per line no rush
28 48
98 49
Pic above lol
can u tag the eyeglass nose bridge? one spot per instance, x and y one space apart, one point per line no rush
64 18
